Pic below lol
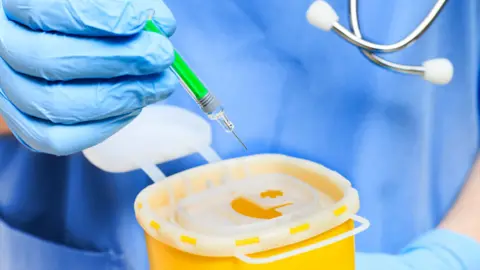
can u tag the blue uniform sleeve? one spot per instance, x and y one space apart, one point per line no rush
437 250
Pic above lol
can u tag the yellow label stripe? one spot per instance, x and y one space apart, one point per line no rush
248 241
154 225
188 240
300 228
339 211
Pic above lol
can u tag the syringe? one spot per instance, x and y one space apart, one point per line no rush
197 90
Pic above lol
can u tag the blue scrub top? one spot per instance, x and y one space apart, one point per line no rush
405 144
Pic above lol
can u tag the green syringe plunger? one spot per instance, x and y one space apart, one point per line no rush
196 89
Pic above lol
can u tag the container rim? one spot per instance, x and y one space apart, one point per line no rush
157 222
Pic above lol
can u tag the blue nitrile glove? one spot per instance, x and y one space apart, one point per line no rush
72 73
437 250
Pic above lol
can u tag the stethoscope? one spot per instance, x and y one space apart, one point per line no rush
437 71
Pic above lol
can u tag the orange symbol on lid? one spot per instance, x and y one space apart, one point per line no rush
251 209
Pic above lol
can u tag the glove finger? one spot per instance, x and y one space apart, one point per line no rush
58 57
90 17
84 100
57 139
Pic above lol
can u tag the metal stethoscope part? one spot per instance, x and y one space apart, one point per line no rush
437 71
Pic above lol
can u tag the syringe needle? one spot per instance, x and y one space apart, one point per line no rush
240 141
195 87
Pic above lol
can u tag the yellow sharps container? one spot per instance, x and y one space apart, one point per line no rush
265 212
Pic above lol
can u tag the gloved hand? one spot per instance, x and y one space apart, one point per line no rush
72 73
436 250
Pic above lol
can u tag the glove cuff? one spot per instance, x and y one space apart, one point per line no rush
444 249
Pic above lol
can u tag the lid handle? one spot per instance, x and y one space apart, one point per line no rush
153 172
364 224
161 133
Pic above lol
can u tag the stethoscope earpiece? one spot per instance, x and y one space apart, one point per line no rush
437 71
322 15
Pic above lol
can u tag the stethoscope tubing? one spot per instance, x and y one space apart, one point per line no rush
407 41
437 71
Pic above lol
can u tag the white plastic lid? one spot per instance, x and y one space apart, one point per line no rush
246 205
270 200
